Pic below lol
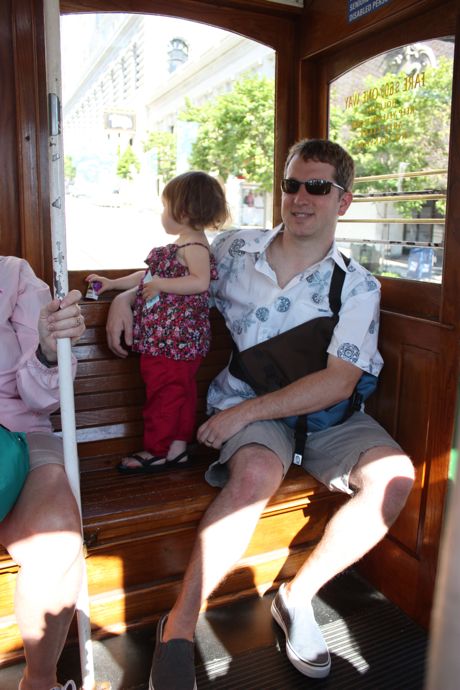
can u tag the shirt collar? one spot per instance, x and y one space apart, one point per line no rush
337 256
259 241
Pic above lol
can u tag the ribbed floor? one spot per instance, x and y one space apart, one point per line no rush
374 650
373 645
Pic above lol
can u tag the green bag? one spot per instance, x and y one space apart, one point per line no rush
14 467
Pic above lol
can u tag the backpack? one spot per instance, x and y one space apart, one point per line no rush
299 351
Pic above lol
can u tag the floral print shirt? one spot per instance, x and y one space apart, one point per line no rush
255 308
176 326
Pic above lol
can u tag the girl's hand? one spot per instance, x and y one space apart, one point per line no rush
150 290
106 283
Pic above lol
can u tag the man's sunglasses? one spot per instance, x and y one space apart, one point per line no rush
290 185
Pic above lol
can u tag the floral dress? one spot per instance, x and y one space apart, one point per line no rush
176 326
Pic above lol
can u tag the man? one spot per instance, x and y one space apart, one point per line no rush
270 282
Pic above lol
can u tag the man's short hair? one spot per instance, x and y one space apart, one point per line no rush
325 151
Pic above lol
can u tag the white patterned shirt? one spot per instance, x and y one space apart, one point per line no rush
255 308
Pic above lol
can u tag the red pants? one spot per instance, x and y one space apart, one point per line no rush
170 406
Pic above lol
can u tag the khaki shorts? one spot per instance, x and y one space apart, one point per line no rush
329 456
45 448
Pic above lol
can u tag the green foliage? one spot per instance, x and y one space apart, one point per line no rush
165 145
402 125
388 274
235 135
127 163
70 171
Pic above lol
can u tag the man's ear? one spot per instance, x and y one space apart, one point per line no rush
345 201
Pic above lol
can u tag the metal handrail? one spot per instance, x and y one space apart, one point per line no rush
404 221
399 243
394 176
400 196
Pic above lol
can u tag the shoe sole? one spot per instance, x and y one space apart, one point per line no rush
307 669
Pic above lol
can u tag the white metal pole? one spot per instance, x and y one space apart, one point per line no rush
61 287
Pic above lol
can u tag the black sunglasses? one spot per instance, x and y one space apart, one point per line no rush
290 185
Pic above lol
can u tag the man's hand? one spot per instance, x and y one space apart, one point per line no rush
120 322
222 425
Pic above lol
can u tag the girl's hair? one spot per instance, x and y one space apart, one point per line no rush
198 199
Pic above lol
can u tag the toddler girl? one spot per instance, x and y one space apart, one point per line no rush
171 319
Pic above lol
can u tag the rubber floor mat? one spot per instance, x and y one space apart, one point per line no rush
378 649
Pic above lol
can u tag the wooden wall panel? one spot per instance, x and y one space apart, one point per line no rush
23 135
326 27
417 380
9 216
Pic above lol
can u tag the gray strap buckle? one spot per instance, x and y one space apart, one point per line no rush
297 459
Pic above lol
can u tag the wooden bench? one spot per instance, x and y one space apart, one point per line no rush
139 530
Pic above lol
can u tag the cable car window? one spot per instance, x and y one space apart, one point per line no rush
392 113
145 98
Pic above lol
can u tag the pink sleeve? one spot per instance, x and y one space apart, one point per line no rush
37 385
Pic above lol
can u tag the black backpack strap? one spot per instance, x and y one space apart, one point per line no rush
335 302
300 436
335 291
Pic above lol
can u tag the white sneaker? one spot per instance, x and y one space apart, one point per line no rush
306 647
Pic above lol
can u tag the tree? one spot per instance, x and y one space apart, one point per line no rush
165 145
235 135
127 162
70 171
398 119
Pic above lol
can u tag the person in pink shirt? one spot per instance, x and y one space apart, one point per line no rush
42 532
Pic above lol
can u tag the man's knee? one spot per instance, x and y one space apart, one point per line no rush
387 473
255 473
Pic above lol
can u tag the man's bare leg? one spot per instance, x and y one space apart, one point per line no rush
383 479
224 533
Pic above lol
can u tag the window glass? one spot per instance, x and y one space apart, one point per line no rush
392 113
146 98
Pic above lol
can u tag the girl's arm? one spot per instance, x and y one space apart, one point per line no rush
123 283
199 266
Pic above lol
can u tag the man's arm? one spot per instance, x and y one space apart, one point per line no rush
308 394
120 322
